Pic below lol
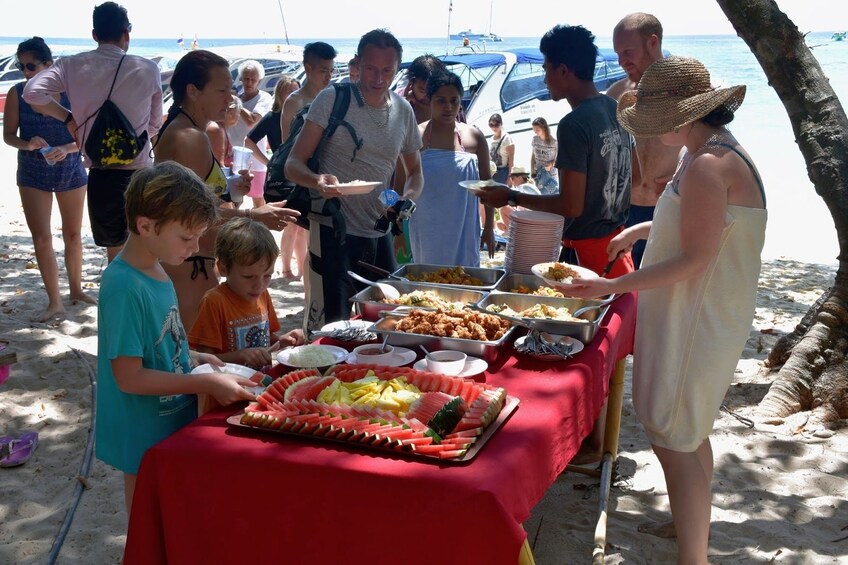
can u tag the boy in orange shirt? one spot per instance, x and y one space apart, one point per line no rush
237 321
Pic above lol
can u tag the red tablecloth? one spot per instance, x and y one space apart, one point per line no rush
214 494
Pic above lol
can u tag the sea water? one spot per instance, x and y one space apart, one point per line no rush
799 227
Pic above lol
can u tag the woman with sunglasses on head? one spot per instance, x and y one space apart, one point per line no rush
48 162
202 93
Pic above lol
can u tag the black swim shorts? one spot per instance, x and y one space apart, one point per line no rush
106 188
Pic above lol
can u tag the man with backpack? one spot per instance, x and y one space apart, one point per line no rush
384 128
116 101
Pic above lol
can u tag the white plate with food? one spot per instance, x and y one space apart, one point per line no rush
400 356
566 343
231 369
308 356
473 366
559 275
355 187
476 186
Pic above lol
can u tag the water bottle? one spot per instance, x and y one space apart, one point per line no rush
44 151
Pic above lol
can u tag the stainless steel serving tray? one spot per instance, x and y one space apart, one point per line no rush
584 331
514 280
369 305
489 276
488 350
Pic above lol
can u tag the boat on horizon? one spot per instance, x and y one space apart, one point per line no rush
472 36
512 83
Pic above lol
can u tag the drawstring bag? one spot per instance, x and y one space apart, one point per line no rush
112 141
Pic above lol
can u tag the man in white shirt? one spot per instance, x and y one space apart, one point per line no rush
87 78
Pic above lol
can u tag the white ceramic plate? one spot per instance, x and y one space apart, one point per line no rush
473 366
342 324
284 356
475 186
356 187
540 270
401 356
576 347
230 369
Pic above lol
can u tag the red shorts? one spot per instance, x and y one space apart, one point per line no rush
592 254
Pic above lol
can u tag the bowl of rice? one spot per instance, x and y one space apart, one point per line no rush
312 356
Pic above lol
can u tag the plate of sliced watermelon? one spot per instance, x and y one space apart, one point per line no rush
411 413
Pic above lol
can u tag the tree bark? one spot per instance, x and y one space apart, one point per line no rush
814 371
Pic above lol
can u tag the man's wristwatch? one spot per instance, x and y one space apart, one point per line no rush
512 200
68 118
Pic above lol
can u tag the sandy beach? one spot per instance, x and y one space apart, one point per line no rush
780 487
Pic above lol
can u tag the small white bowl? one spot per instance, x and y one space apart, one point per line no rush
446 362
370 353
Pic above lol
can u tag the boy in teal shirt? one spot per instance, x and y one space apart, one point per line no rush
145 392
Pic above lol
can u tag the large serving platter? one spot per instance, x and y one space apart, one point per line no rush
582 330
381 430
369 305
489 276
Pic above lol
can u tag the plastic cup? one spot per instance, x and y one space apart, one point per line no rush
241 159
236 196
44 151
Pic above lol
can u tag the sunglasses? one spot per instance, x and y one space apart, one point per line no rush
32 67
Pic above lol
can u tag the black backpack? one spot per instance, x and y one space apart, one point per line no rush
112 141
300 198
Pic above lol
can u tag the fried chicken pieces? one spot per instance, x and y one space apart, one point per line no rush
463 324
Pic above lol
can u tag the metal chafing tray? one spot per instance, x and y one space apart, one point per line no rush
488 350
584 331
512 281
369 305
489 276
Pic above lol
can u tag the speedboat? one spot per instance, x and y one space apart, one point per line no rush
473 36
512 84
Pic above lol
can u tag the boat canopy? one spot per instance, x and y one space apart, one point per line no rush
533 55
470 60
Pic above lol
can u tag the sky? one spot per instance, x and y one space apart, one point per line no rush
405 18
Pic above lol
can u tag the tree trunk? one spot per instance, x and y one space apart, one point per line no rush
814 366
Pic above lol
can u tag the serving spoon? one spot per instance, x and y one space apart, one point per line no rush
597 306
388 291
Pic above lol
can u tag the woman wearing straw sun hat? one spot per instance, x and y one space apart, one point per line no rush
697 283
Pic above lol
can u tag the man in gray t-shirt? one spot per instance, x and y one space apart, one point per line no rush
386 125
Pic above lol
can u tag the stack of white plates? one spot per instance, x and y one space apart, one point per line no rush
534 237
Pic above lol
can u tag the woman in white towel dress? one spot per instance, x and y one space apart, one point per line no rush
698 281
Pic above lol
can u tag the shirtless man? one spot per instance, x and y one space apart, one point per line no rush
637 39
318 59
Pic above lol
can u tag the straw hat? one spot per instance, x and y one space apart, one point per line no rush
673 92
519 171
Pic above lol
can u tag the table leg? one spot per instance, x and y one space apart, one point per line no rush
611 434
525 555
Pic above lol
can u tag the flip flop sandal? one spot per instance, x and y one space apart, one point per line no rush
20 450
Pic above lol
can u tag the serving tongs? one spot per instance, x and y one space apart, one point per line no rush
597 306
529 324
380 271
